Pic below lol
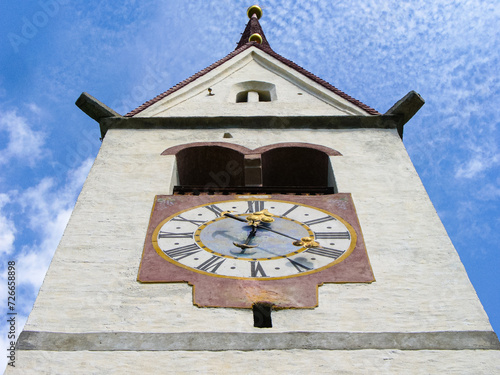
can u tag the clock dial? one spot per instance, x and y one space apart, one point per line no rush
297 239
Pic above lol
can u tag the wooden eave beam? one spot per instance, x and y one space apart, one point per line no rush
405 109
95 109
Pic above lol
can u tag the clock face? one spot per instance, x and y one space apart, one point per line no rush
258 239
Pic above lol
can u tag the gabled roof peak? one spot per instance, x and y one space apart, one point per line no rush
253 27
253 30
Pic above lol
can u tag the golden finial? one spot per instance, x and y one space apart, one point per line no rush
254 9
255 38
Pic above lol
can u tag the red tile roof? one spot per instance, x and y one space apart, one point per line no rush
252 27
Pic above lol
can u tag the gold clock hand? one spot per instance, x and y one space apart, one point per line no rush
246 245
297 242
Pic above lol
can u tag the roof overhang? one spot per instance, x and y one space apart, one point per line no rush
395 118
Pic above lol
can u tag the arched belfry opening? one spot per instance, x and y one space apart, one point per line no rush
210 167
295 166
287 168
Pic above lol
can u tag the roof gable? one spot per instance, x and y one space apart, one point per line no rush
267 57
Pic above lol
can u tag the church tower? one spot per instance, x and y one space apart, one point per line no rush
255 219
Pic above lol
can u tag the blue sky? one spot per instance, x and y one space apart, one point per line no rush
126 52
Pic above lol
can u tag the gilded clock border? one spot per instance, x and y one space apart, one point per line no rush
352 231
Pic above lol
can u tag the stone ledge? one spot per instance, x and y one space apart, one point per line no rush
222 341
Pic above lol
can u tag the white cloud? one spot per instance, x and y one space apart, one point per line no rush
489 192
35 108
476 166
23 143
7 229
471 169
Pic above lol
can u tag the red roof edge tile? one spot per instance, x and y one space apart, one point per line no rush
319 80
267 49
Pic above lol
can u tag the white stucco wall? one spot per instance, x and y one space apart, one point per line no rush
373 362
420 285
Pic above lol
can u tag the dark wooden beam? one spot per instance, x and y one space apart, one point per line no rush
405 109
94 108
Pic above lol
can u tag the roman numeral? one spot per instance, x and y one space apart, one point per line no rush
195 222
299 266
319 221
332 235
257 270
290 210
216 210
325 252
255 206
182 252
211 265
175 235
